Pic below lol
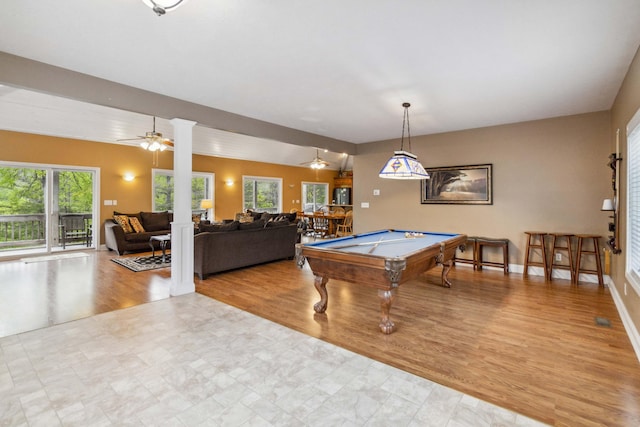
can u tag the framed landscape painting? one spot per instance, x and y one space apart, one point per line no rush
468 185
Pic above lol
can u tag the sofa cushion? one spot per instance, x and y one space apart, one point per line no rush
155 221
252 225
220 227
135 224
123 221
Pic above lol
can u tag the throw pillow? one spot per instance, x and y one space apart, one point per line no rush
246 218
123 221
135 223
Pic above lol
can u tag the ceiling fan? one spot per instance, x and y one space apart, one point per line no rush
152 141
317 162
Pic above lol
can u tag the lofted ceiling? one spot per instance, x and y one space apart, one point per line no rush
339 69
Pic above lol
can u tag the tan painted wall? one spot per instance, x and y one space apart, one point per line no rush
116 160
625 106
548 175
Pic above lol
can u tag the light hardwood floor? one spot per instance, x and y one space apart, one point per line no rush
526 345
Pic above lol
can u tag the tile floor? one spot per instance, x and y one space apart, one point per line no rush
193 361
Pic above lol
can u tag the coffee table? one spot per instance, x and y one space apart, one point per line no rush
162 239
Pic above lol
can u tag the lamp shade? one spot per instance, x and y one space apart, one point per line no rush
206 204
403 165
607 205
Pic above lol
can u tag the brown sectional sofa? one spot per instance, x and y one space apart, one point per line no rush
154 224
236 245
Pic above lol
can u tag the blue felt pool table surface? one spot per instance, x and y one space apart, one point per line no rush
397 244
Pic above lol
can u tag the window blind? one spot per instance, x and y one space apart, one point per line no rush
633 202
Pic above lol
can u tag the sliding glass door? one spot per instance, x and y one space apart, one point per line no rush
46 209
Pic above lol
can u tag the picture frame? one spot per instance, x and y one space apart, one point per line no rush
462 185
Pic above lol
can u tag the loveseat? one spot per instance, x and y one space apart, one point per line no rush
222 247
130 232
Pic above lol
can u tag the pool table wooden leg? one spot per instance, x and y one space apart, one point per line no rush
446 266
320 282
386 299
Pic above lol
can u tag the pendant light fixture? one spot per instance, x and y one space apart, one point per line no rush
403 164
160 7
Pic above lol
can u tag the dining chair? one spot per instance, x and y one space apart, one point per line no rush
346 228
320 224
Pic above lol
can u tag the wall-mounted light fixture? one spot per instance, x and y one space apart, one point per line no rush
229 182
128 176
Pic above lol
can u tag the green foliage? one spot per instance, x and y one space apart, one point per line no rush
75 192
21 191
163 191
261 195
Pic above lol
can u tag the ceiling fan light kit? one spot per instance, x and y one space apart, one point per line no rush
317 162
160 7
152 141
153 145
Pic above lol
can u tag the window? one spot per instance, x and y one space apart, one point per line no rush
314 196
633 202
36 200
262 194
201 188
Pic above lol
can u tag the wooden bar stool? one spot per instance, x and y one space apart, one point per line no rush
535 240
595 252
481 242
557 247
471 243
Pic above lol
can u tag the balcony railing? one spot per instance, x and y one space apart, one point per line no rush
28 230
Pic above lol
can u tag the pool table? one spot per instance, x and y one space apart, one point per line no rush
382 259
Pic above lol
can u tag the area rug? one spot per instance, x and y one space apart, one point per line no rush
144 263
54 257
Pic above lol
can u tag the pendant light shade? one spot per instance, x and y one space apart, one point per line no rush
403 164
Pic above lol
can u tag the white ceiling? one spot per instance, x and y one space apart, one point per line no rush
340 69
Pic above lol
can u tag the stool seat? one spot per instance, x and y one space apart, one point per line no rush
481 242
535 240
595 252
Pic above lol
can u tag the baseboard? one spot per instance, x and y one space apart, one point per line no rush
629 327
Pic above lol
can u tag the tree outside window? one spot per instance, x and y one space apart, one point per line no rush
262 194
163 194
314 196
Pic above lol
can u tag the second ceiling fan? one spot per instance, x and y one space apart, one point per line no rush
317 162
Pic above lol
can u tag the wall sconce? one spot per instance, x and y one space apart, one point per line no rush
229 182
128 177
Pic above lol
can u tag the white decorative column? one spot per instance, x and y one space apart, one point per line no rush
182 225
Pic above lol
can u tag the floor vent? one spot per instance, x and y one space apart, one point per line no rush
601 321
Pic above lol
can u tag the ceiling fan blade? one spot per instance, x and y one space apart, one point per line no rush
131 139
